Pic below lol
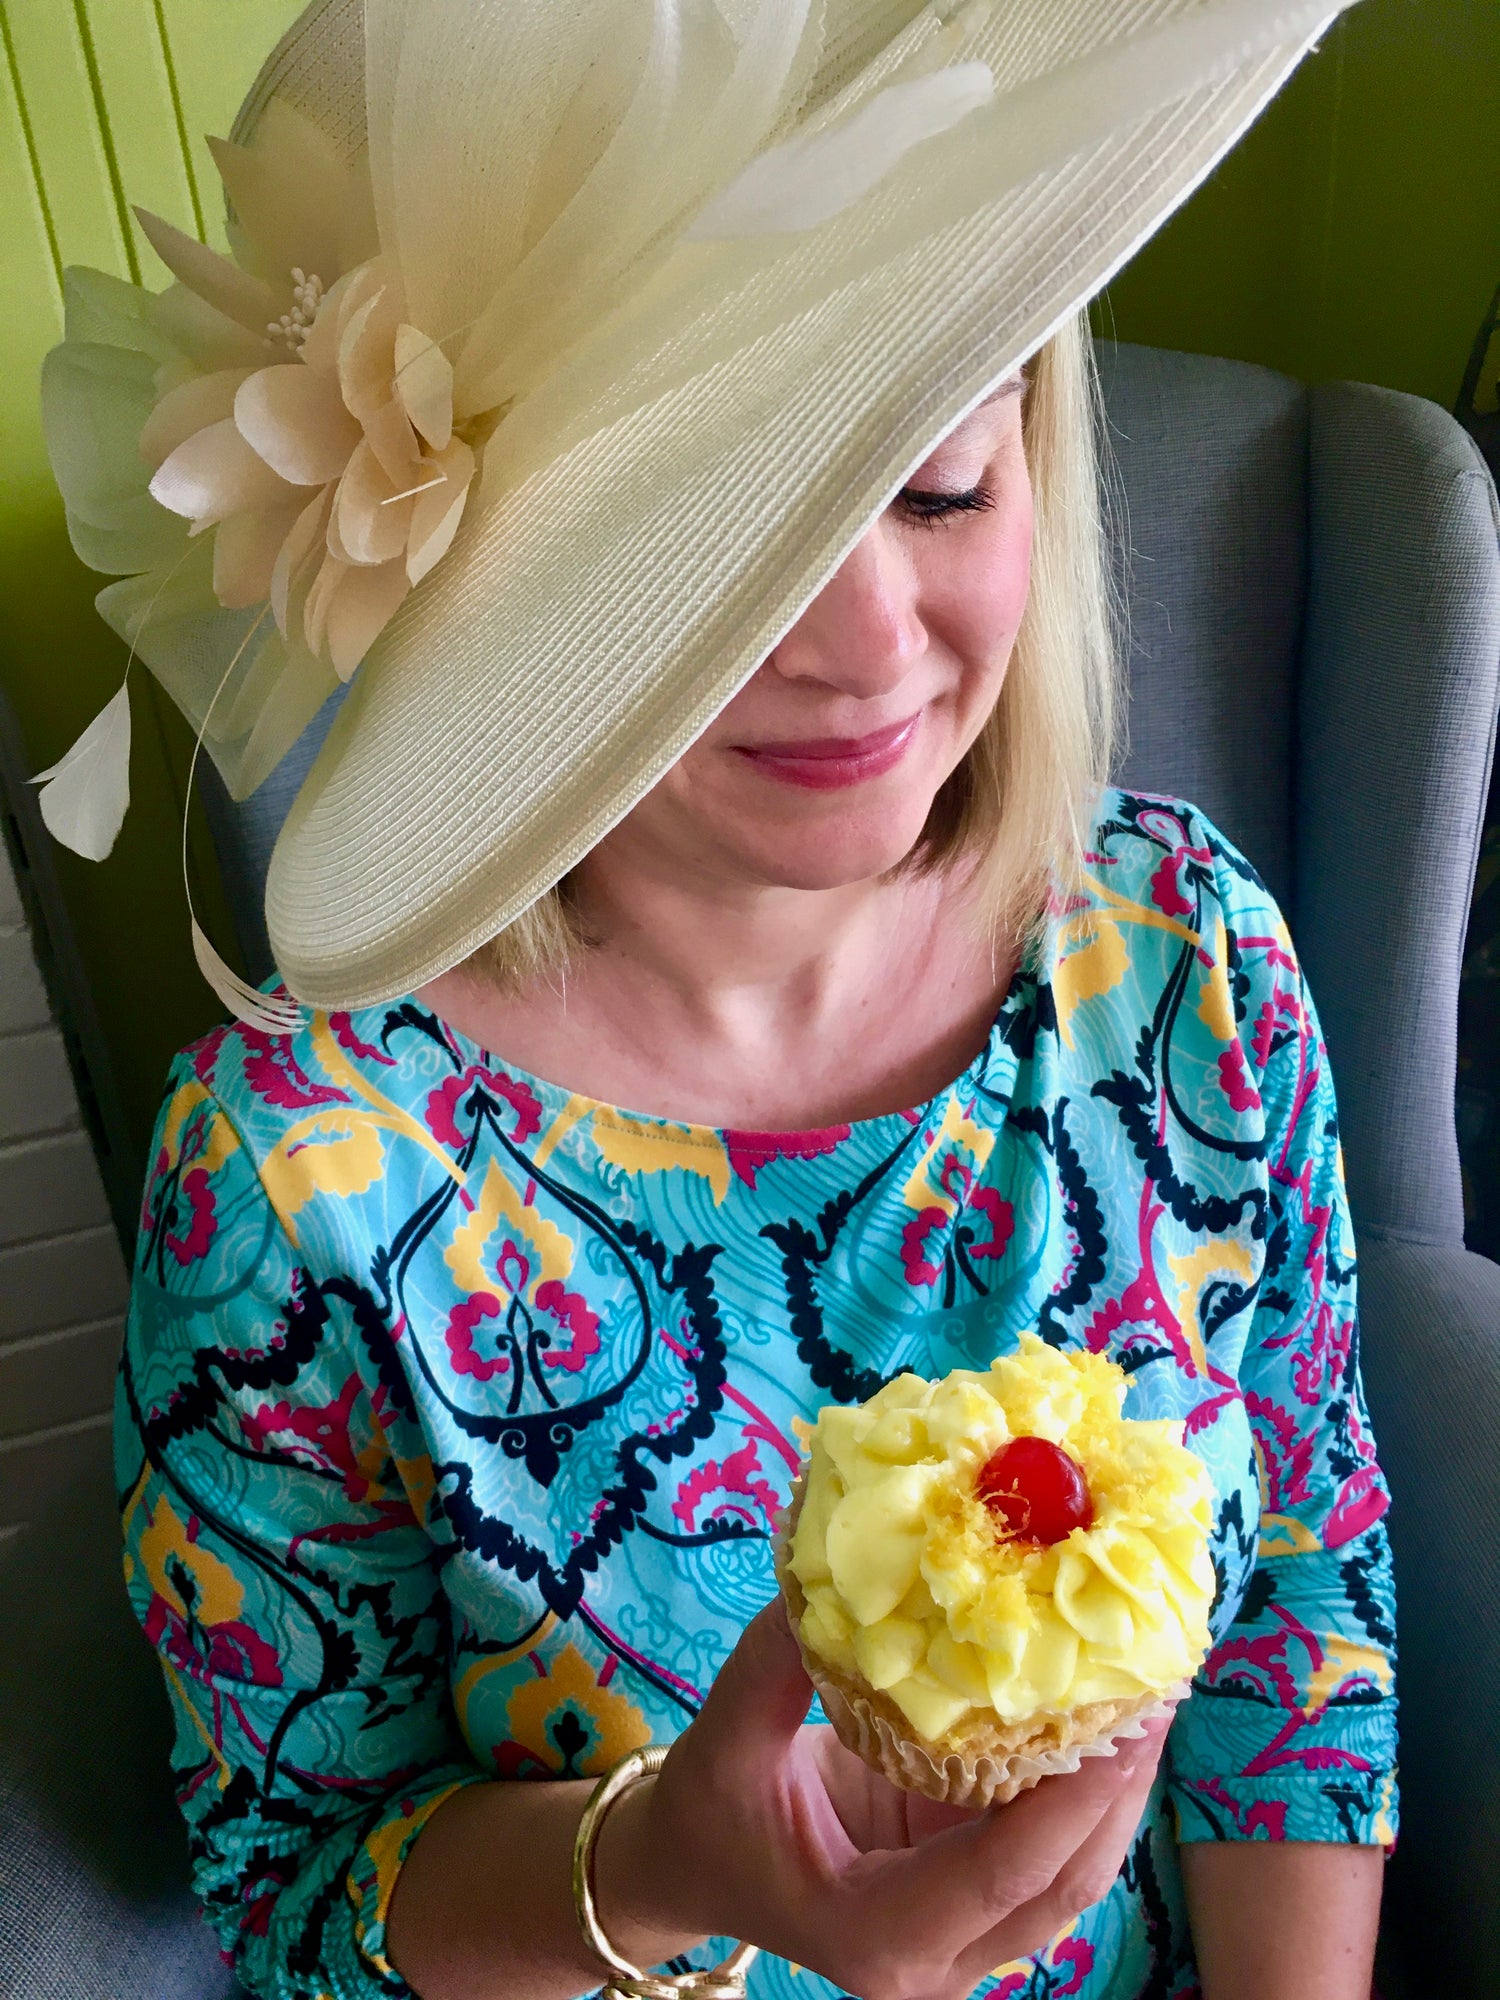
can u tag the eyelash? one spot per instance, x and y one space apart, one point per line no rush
928 509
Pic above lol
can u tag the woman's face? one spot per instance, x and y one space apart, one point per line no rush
822 770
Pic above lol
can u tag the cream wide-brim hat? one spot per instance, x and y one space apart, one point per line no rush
655 515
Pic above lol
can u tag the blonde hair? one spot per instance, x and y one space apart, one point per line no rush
1019 807
1017 810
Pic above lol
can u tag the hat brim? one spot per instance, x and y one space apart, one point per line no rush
592 621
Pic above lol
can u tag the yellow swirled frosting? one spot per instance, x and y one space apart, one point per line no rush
915 1588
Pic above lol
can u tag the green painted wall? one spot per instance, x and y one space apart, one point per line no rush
1355 232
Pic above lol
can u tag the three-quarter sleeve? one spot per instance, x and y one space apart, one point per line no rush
277 1558
1290 1729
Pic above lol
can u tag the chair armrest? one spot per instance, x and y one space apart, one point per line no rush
1430 1351
93 1854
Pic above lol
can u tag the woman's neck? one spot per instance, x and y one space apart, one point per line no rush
733 960
727 1003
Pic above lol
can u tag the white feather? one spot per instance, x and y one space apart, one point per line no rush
270 1013
807 181
85 793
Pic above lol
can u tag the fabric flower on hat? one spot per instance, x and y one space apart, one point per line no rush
268 449
333 479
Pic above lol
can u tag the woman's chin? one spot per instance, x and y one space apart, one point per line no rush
832 857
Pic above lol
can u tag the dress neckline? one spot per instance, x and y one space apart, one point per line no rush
983 1067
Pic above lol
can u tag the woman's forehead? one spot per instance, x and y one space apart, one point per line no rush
1013 384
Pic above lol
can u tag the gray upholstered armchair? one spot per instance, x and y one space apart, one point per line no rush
1315 659
1314 587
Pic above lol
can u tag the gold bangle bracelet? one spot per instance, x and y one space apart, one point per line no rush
627 1981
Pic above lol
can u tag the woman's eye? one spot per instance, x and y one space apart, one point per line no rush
930 508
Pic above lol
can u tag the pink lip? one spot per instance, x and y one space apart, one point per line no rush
828 763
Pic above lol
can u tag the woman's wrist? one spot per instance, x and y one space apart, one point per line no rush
637 1867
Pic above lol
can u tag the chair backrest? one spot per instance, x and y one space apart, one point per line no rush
1206 481
1312 583
1311 591
1400 687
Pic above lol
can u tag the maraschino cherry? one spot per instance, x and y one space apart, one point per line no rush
1036 1490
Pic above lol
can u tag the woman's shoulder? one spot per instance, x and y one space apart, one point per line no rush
311 1116
261 1217
1170 936
264 1084
1162 846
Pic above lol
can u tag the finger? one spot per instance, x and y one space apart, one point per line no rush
846 1779
1090 1871
875 1813
1085 1878
762 1691
961 1883
1081 1886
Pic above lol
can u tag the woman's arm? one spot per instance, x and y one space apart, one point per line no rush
760 1828
483 1906
1283 1920
281 1567
1283 1758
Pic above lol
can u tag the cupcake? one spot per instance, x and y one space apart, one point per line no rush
994 1575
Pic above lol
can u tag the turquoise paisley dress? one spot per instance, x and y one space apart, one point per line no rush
455 1409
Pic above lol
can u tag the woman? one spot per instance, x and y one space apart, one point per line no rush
472 1324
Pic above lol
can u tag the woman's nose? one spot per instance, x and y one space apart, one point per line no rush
861 634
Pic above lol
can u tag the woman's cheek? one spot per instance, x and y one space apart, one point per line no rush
1013 573
986 600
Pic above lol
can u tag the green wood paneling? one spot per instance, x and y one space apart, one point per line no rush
49 75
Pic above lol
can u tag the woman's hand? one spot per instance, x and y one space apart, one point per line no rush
762 1829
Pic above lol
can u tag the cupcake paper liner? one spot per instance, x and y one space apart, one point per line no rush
989 1772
